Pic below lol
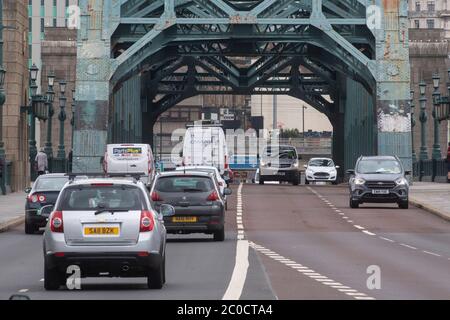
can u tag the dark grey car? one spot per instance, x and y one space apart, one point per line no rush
378 179
199 205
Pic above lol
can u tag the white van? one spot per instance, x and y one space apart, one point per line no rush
130 158
205 145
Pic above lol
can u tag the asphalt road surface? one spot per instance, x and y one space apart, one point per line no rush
303 243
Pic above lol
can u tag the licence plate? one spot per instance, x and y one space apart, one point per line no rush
101 231
184 219
281 173
380 191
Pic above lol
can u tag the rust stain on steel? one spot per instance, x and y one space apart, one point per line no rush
391 5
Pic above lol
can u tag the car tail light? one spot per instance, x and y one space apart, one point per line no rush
213 196
226 162
37 198
59 254
147 222
56 222
156 196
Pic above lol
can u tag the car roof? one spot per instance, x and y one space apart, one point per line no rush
320 159
53 175
190 168
182 173
280 146
124 181
378 158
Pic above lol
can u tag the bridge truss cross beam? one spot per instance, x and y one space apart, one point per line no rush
314 50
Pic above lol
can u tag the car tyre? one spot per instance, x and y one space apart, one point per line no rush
306 181
334 183
261 181
296 180
52 278
155 277
30 228
403 204
219 235
354 204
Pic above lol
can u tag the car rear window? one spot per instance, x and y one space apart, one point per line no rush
50 184
184 184
90 197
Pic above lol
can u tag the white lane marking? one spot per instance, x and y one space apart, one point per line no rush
42 280
23 290
359 227
239 275
364 298
432 253
333 284
390 240
369 233
347 290
408 246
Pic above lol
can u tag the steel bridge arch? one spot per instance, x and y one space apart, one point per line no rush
144 56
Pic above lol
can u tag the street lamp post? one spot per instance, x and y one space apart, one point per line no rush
72 121
413 124
423 120
32 138
436 154
50 98
62 117
2 145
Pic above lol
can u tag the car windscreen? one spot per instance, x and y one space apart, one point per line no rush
95 197
184 184
282 152
373 166
50 183
321 163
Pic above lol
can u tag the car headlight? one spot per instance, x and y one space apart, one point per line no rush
359 181
263 163
401 181
295 165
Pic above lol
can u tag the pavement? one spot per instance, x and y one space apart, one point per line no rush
12 208
433 197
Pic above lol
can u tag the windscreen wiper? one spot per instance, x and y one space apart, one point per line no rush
110 210
192 190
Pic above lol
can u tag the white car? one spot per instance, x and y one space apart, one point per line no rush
322 170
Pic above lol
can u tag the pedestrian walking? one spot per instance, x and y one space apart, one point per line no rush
41 162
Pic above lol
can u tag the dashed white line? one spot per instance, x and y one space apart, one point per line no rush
408 246
359 227
369 233
432 253
386 239
23 290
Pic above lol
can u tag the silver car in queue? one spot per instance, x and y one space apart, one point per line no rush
106 227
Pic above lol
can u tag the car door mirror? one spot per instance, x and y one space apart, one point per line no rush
351 171
299 157
166 210
305 166
338 167
27 190
227 192
408 173
45 210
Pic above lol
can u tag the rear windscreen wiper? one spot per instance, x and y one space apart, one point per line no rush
110 210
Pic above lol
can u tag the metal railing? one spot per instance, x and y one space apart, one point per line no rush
431 170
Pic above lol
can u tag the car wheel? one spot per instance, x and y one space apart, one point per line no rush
164 270
334 183
52 278
219 235
296 180
155 277
226 205
354 204
30 228
261 181
403 204
306 181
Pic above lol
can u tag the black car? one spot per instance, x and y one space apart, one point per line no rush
44 192
199 205
379 179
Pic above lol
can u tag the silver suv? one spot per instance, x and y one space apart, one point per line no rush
106 227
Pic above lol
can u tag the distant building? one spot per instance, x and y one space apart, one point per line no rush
430 14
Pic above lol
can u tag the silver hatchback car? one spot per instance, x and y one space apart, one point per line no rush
106 227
